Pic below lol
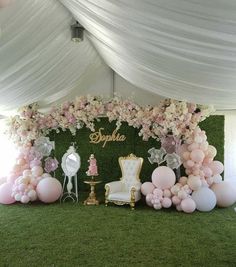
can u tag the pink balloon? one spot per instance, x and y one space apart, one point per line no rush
197 155
188 205
194 182
167 193
163 177
5 194
193 146
157 192
176 200
37 171
190 163
217 167
27 173
49 190
25 199
207 160
17 168
21 162
207 171
211 151
147 188
183 180
225 194
149 197
186 155
149 203
166 202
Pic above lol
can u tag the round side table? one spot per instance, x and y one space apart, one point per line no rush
91 200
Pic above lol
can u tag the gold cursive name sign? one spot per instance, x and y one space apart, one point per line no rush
99 137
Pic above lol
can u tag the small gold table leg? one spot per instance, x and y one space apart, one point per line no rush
91 200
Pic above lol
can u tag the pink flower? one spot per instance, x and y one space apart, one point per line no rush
51 164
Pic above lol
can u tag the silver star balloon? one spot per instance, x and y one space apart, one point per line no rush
173 160
156 155
44 145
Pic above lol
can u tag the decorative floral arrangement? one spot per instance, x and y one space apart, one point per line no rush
173 117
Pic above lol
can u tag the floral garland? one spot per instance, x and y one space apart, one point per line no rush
173 117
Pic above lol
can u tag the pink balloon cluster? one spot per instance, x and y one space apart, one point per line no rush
24 188
163 192
27 182
198 159
158 194
28 158
181 196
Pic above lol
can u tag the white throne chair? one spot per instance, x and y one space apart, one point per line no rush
128 189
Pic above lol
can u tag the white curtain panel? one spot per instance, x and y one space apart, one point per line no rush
38 60
175 48
230 147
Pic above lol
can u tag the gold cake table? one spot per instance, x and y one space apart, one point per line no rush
91 200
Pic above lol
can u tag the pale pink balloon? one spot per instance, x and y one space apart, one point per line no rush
25 199
149 203
182 194
225 194
21 162
194 182
198 139
210 181
197 155
49 190
188 205
6 194
22 187
176 200
207 171
166 202
190 163
193 146
207 160
149 197
37 171
211 151
27 173
178 207
157 206
17 168
163 177
158 192
196 172
204 146
183 180
147 188
167 193
217 167
186 155
183 148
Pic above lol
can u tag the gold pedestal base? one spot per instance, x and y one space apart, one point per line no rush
91 200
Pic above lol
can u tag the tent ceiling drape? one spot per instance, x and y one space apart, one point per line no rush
173 48
38 60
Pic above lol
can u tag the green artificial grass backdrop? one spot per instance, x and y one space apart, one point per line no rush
107 157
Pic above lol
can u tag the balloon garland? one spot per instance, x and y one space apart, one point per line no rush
201 189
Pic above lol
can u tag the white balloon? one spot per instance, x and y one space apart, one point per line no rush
205 199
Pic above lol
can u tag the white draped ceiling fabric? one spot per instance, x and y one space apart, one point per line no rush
183 49
38 60
173 48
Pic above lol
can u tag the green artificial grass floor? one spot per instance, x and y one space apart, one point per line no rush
76 235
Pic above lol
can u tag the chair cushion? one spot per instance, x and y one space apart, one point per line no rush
120 196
